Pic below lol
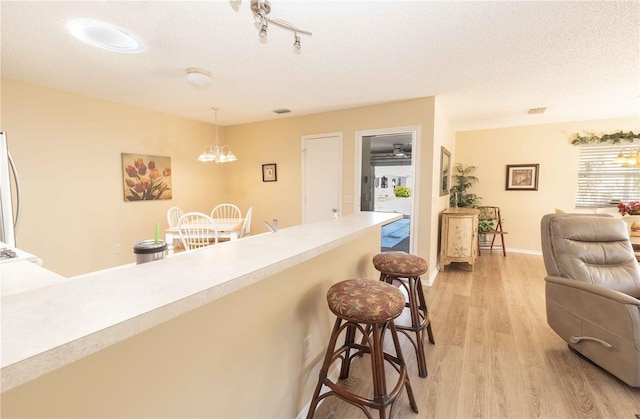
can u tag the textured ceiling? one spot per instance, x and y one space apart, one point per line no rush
487 62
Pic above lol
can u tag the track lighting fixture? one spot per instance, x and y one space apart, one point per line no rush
261 8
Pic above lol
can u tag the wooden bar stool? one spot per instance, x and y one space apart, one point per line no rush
406 269
360 303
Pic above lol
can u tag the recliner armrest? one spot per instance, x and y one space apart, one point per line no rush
594 289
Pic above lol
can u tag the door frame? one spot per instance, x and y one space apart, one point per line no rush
414 130
303 167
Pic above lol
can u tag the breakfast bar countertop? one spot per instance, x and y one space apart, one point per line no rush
51 326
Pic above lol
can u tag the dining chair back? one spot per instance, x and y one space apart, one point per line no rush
173 215
226 211
197 230
246 227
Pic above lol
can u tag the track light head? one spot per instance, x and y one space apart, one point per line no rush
296 43
263 31
261 8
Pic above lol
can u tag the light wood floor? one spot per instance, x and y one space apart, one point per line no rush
495 356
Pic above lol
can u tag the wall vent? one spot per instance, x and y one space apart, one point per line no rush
535 111
282 111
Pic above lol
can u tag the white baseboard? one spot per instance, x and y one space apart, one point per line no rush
525 251
432 277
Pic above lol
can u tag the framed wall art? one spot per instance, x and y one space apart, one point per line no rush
522 177
269 172
445 171
146 178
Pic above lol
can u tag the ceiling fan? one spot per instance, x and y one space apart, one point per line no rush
398 152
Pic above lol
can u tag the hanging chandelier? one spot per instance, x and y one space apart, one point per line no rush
261 8
216 153
628 158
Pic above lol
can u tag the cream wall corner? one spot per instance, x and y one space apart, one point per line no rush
444 136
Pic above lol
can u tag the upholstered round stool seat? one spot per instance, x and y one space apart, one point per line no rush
365 301
400 264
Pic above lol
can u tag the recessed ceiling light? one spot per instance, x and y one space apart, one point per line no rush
282 111
105 35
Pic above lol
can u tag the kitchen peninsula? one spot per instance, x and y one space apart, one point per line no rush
216 332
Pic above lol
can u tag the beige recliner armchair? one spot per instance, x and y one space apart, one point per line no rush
592 290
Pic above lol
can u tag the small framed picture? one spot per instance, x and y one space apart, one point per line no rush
522 177
269 172
445 168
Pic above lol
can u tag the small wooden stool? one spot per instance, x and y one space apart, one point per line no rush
360 303
406 269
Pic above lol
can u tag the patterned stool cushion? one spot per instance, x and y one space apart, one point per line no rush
365 300
400 264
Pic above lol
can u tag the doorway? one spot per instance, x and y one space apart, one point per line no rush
386 181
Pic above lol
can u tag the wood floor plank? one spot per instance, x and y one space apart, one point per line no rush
495 356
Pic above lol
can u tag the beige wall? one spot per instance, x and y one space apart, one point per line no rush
68 151
240 356
548 145
68 148
280 141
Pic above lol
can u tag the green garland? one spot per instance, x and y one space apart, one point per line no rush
612 138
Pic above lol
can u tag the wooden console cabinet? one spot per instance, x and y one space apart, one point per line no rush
458 236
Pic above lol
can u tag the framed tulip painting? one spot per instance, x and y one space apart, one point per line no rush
146 178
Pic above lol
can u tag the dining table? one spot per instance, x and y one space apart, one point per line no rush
227 228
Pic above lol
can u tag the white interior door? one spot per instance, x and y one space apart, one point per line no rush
321 176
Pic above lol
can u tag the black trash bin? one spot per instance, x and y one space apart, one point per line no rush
149 250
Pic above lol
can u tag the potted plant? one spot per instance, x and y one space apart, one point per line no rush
630 214
486 223
464 178
402 191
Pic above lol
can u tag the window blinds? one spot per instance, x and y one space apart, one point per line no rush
600 181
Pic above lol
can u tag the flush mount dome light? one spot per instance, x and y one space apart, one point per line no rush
105 35
198 76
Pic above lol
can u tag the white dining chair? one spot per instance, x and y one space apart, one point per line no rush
226 211
197 230
173 215
246 225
